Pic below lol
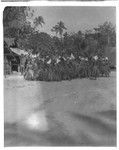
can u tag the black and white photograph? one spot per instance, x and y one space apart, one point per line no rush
59 76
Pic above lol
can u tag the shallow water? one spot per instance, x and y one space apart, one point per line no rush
80 112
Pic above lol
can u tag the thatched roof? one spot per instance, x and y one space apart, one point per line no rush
10 42
18 51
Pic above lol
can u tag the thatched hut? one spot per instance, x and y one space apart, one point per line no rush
12 57
8 56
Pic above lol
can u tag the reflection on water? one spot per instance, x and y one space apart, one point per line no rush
21 98
37 121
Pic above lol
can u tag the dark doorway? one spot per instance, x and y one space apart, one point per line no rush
14 67
15 63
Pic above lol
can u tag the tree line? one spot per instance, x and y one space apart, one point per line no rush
27 35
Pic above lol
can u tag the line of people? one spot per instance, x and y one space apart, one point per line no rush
65 68
95 67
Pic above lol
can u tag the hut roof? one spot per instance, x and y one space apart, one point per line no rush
18 51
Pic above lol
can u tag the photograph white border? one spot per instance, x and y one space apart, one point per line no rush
53 3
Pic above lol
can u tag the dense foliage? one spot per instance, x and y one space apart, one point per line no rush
64 55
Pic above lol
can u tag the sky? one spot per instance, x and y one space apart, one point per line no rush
75 18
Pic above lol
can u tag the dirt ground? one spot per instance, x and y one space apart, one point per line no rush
80 112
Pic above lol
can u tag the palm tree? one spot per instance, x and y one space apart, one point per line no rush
59 28
39 21
55 29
